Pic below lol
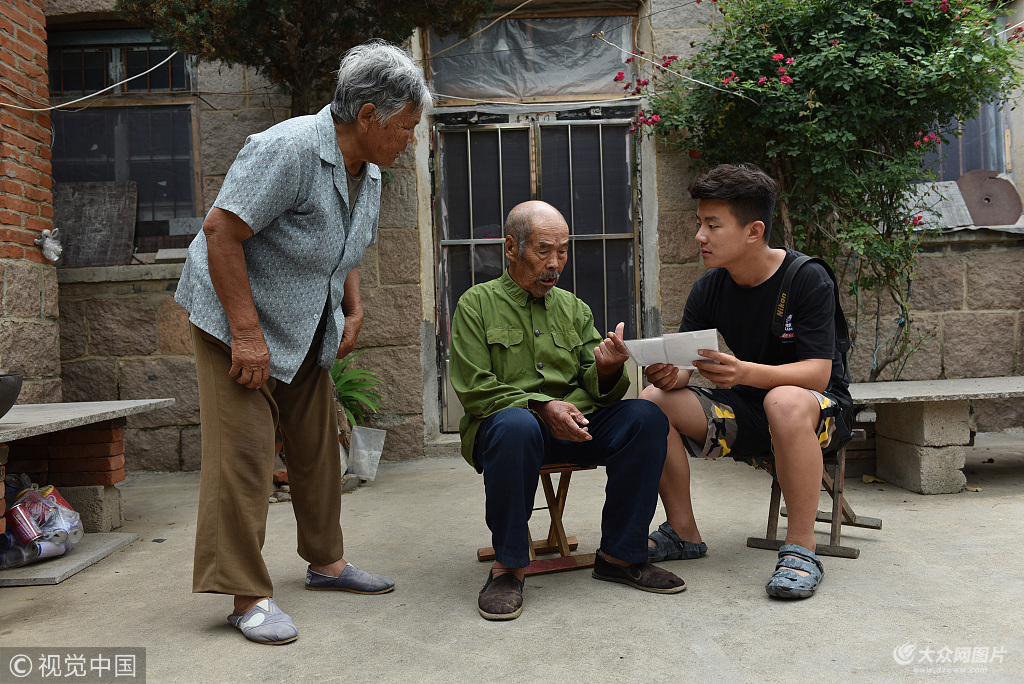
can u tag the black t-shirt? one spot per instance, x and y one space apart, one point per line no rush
744 316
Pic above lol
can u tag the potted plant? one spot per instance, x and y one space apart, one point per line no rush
356 394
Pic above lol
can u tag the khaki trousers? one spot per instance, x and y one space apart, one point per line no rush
238 428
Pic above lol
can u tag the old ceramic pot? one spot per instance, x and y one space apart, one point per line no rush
10 388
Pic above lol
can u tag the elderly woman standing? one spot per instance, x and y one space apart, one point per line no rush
272 289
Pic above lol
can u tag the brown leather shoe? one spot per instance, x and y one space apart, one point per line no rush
501 598
643 576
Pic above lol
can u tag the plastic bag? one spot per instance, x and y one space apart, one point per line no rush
61 528
367 445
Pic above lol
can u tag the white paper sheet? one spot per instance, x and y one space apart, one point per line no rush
679 349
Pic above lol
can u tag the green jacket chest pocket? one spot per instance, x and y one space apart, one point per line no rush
509 356
567 343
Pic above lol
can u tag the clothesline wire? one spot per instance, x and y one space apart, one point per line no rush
91 95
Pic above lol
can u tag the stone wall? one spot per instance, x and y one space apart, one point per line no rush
968 308
390 282
235 103
124 337
28 283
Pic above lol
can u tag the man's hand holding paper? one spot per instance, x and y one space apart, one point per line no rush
678 349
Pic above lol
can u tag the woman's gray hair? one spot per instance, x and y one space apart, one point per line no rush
380 74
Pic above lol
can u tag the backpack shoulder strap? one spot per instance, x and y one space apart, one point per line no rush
781 312
782 301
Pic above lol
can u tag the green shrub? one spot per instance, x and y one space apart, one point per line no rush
839 102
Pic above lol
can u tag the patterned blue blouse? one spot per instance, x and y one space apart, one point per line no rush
288 184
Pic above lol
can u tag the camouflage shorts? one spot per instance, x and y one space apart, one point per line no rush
738 426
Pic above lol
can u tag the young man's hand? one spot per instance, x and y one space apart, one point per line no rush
725 370
664 376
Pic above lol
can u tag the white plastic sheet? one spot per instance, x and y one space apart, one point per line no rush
523 58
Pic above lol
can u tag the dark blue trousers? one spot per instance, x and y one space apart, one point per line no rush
629 439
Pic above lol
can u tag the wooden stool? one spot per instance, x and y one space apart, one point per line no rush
556 541
842 513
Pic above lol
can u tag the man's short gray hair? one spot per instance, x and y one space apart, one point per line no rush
380 74
518 226
519 220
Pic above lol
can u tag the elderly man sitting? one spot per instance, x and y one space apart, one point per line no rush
539 385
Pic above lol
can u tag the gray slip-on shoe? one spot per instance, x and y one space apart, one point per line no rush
351 579
265 623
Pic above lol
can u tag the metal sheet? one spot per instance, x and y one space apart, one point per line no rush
992 201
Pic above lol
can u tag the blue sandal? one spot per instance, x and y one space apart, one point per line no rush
785 583
669 546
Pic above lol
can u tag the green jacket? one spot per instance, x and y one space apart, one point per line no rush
509 348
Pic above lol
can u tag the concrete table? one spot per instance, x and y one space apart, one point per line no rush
922 427
99 506
29 420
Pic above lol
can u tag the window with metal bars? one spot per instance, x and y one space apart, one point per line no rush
83 62
149 145
983 143
143 131
585 169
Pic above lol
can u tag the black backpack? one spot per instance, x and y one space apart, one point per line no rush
782 308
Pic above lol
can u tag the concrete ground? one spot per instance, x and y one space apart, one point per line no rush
943 574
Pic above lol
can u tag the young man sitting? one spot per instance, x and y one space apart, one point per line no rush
783 399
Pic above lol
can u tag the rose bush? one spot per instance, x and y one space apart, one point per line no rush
840 103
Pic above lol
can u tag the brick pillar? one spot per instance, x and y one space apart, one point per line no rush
83 464
29 340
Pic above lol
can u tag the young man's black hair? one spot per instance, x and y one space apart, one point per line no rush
749 190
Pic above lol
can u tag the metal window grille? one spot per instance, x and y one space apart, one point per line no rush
983 143
81 69
586 169
149 145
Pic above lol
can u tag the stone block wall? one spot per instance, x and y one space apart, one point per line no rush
236 102
28 283
124 337
968 307
390 284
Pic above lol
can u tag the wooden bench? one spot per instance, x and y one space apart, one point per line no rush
922 427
